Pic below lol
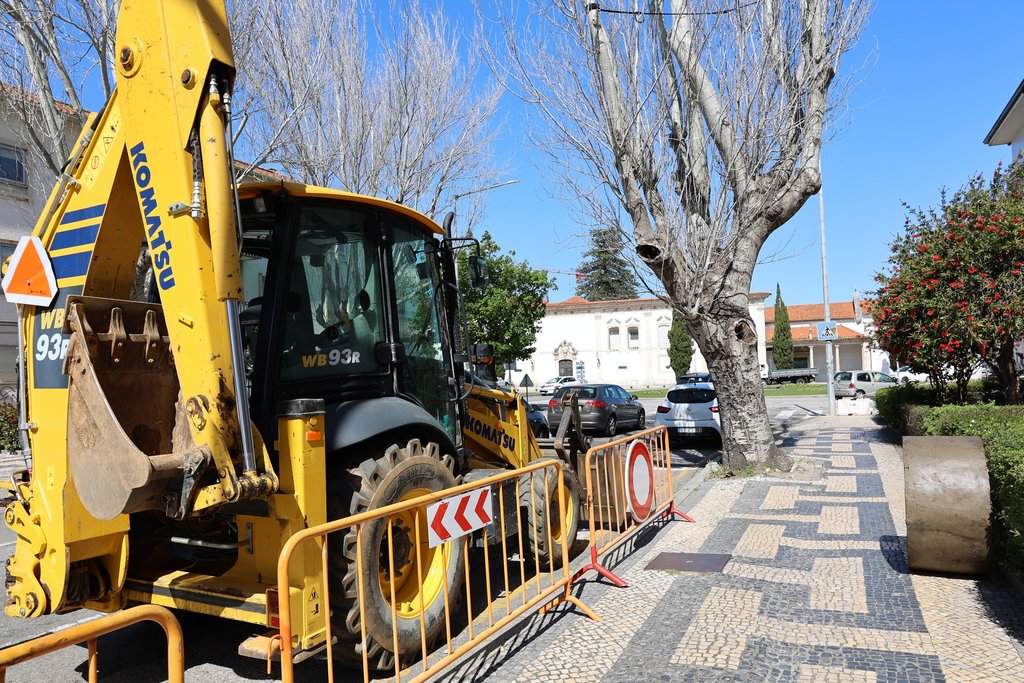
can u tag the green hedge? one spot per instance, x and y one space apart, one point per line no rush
1001 428
904 406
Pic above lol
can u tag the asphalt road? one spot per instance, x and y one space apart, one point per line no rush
137 654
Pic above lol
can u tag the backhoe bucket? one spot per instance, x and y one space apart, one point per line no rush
124 451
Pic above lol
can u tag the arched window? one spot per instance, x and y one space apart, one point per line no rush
614 343
634 337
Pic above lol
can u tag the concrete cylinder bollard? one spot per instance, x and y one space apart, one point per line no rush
948 504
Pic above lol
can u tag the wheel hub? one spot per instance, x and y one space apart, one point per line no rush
401 543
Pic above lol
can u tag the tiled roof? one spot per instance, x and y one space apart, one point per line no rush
259 173
838 310
808 333
574 301
579 301
17 93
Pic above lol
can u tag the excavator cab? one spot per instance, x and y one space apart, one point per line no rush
344 301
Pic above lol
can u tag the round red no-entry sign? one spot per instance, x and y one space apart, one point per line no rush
639 480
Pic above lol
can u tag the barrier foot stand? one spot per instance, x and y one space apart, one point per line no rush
570 598
594 616
600 569
673 510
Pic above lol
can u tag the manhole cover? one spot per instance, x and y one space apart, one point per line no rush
690 562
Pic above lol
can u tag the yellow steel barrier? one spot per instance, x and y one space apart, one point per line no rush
613 512
91 630
532 584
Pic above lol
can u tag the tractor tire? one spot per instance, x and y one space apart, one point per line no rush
542 521
401 473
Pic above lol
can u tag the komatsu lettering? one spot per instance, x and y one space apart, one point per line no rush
493 434
159 245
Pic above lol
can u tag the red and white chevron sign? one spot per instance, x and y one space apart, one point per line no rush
459 515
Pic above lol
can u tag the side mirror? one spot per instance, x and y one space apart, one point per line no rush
479 272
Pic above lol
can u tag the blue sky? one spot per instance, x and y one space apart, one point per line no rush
934 77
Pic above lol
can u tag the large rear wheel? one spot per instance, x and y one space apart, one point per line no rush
406 576
543 528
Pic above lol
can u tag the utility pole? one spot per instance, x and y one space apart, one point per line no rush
824 288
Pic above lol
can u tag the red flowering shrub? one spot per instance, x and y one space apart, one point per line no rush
10 439
953 292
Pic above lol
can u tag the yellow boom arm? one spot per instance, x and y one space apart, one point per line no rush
134 405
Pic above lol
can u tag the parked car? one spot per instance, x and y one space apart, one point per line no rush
537 419
905 374
552 384
604 408
859 383
690 410
695 378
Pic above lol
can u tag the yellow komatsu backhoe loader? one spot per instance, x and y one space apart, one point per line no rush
195 324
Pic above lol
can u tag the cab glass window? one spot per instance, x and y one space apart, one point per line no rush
333 306
418 288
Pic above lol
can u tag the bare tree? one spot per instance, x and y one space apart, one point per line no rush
392 104
48 50
700 121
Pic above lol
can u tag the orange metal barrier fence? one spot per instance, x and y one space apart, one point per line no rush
629 485
90 631
524 516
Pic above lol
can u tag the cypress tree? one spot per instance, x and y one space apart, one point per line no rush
604 274
782 338
680 346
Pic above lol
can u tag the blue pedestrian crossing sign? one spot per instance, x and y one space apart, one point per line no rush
828 331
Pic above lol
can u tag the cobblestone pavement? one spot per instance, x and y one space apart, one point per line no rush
817 589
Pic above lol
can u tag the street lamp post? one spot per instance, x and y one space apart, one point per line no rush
824 287
460 195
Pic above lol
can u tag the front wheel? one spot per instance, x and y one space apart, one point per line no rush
404 576
543 527
641 420
612 425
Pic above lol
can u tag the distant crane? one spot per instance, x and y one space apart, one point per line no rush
579 275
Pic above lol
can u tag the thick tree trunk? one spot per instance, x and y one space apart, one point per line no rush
1006 371
728 340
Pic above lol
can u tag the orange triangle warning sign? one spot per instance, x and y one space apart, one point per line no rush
29 278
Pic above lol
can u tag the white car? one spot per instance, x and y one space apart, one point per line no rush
552 384
905 374
690 410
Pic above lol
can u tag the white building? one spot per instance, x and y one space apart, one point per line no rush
25 185
1009 127
853 351
622 342
626 342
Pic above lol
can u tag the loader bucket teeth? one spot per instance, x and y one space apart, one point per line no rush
121 411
